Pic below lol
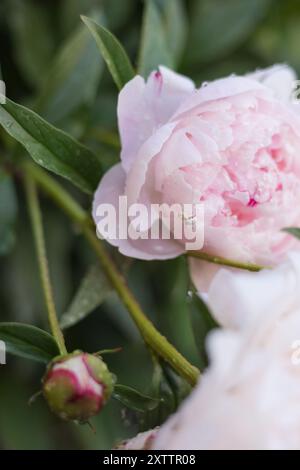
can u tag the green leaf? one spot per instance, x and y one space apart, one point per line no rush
202 322
277 38
102 352
171 282
32 38
70 11
94 289
220 26
8 213
73 77
295 231
154 50
112 52
160 389
179 386
17 418
170 389
134 399
51 148
28 341
118 13
176 27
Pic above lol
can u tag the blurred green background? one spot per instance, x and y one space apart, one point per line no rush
49 62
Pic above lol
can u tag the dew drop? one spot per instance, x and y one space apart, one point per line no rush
189 295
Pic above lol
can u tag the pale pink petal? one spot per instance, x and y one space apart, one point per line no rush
143 441
231 293
202 273
108 192
135 123
217 90
179 151
280 78
248 396
137 175
111 187
173 90
233 146
144 107
151 249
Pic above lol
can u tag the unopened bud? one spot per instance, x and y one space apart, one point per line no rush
77 386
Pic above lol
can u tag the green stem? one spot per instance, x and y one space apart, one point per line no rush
152 337
61 197
225 261
37 226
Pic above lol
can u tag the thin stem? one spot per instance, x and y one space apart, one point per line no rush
37 226
225 261
152 337
61 197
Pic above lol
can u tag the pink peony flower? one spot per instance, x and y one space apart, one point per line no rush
232 145
77 386
248 398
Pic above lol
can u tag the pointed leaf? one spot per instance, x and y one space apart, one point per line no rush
28 21
113 53
176 27
160 389
170 389
28 341
219 27
154 50
8 213
134 399
118 13
70 11
73 77
50 147
295 231
93 290
202 322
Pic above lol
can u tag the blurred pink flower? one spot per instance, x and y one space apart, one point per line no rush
249 396
143 441
233 145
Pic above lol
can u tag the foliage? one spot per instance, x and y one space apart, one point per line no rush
62 110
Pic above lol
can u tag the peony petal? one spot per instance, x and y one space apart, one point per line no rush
239 298
280 78
143 107
142 441
254 365
151 249
179 151
111 187
137 174
108 192
202 273
219 89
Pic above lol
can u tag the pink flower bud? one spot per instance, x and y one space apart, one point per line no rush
77 386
